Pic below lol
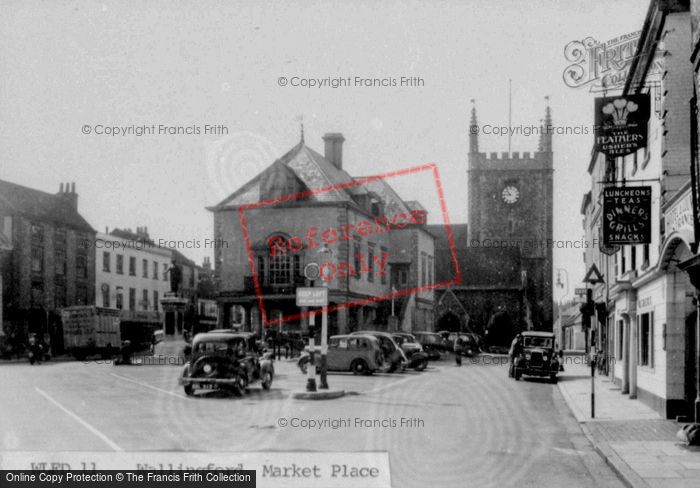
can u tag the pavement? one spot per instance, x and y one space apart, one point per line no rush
639 445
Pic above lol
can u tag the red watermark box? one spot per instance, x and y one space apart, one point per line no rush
379 225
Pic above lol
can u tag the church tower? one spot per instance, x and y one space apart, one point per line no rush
510 201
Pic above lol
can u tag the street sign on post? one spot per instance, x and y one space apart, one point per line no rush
580 291
312 297
593 276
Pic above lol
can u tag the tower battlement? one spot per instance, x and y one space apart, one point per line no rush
510 161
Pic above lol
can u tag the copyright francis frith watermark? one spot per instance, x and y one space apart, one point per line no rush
372 265
604 66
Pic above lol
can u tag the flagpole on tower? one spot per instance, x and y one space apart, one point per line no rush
510 110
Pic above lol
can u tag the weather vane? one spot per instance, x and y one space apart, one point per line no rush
301 122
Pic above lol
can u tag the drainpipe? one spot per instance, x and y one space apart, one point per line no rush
610 360
633 355
697 356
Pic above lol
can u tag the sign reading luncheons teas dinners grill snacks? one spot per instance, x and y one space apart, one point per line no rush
621 124
627 215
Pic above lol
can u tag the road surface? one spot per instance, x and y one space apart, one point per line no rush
445 427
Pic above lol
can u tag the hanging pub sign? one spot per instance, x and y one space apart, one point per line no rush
621 124
626 215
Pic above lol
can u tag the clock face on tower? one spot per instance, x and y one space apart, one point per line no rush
510 194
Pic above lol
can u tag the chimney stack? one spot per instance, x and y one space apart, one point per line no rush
334 148
67 192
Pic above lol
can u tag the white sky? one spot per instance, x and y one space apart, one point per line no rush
67 64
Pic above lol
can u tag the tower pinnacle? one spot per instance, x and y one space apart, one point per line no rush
545 144
473 131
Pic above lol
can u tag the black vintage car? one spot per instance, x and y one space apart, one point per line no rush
537 356
431 342
469 348
417 358
226 361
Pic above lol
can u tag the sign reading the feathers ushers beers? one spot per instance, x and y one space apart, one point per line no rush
621 124
627 215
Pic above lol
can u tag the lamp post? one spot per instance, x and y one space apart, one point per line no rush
324 331
561 298
311 373
311 273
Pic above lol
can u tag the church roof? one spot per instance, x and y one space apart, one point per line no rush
41 206
459 232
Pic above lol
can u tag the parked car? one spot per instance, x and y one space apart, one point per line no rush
361 354
538 356
226 331
227 361
392 352
470 346
431 343
417 358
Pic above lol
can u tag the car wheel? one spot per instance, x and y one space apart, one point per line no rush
421 366
189 390
359 366
267 380
238 388
554 379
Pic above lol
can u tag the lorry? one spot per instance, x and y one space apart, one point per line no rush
89 330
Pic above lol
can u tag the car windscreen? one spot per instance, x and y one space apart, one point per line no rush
543 342
219 346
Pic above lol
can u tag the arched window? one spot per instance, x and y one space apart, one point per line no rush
279 265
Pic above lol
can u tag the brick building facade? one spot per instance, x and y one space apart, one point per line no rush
52 263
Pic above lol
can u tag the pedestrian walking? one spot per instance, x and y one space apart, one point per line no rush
516 348
126 351
459 344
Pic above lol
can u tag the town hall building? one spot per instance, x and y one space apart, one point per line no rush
368 241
